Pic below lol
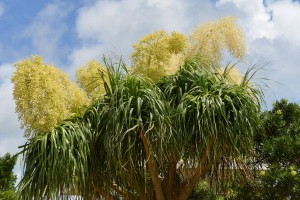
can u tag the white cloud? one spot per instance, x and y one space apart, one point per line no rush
271 31
10 134
286 15
273 36
1 9
81 55
116 25
47 29
110 19
276 20
11 137
254 17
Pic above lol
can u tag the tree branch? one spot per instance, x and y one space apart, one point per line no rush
124 192
169 180
152 169
191 182
104 193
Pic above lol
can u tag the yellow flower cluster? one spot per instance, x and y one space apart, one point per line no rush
232 74
44 95
209 41
158 54
90 78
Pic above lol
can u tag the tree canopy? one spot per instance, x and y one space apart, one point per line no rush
7 177
280 151
153 131
277 156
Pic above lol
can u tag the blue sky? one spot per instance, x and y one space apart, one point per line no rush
68 33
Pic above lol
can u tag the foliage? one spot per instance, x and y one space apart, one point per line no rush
279 151
280 183
203 192
284 150
7 178
157 130
283 119
44 95
139 131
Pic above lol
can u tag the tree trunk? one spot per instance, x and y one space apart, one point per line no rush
191 182
170 183
152 169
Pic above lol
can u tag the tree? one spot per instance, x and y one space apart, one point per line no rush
281 151
7 178
131 141
278 150
145 139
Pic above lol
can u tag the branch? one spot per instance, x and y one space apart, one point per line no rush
104 193
169 181
124 192
152 169
191 182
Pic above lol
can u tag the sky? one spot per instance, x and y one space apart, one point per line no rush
68 33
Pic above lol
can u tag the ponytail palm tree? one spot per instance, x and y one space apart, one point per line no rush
144 140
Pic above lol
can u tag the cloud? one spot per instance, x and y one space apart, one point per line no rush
253 16
286 15
270 29
81 55
270 20
114 26
1 9
272 36
47 29
10 133
11 137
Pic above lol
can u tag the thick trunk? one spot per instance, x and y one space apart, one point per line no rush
202 168
152 169
170 185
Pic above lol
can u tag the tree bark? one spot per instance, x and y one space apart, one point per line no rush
152 169
191 182
169 185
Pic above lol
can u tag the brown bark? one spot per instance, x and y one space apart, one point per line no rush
104 193
169 184
191 182
152 169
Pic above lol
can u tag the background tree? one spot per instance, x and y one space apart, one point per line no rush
7 178
281 151
278 155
